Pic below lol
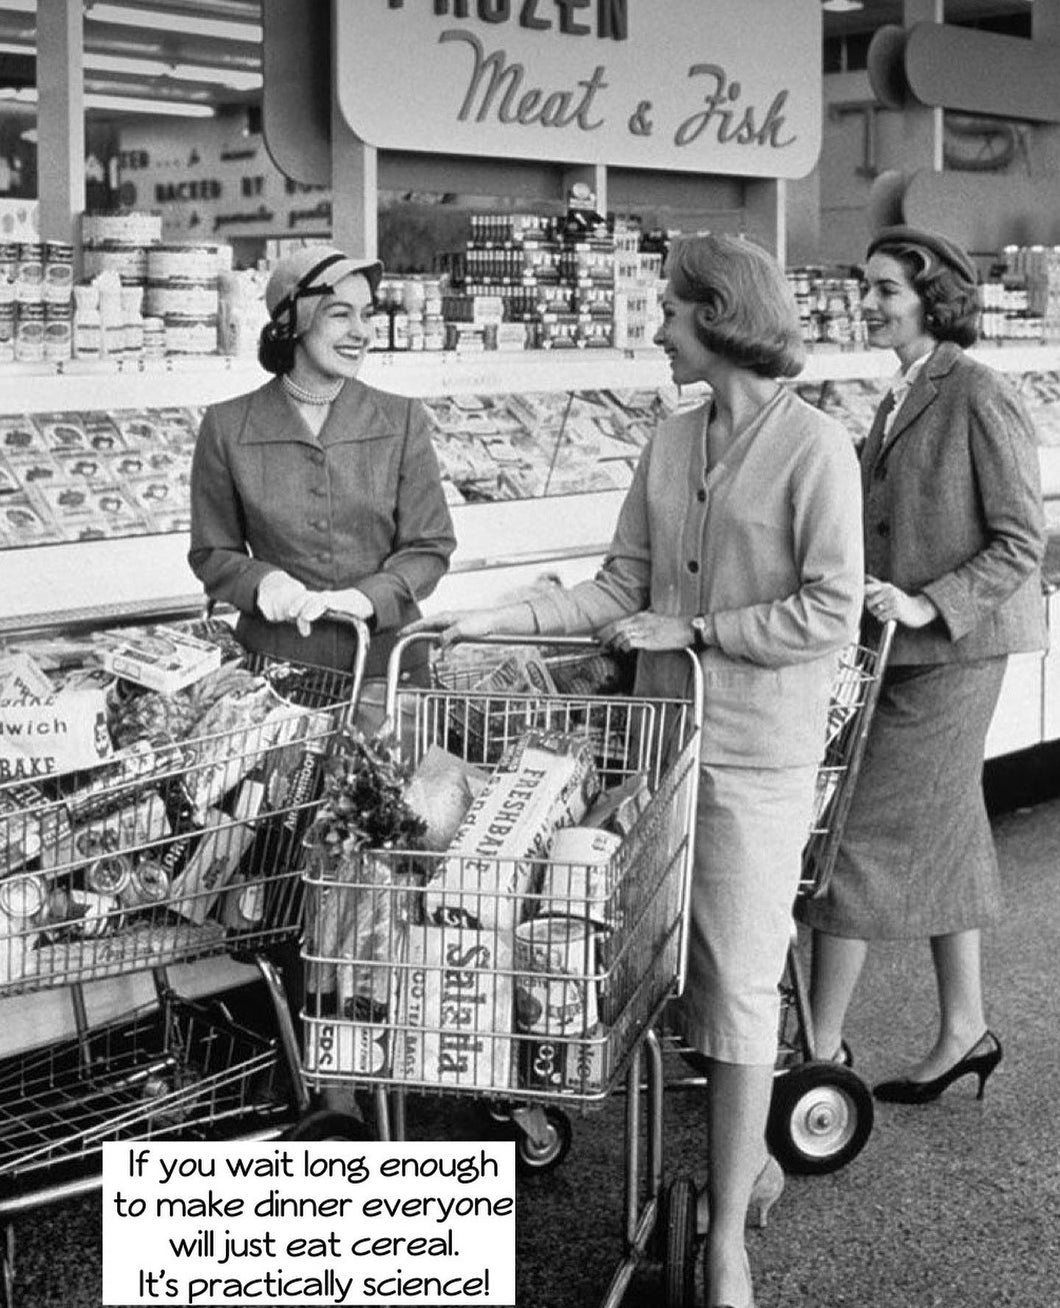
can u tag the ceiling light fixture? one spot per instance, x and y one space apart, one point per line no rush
126 104
158 21
842 6
236 78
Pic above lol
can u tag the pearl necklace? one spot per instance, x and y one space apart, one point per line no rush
303 396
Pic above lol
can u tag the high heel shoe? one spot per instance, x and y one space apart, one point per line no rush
767 1189
906 1091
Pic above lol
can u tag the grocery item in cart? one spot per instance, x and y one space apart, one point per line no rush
217 855
28 823
22 898
578 878
555 989
237 733
142 822
440 792
65 732
21 678
544 780
454 1011
160 657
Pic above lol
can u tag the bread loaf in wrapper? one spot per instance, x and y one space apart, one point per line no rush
543 781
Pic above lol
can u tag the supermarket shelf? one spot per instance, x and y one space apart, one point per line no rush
105 385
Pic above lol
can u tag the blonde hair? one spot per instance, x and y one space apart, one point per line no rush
745 308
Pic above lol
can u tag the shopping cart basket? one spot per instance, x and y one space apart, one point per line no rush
179 848
533 982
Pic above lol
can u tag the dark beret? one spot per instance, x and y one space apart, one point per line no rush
945 250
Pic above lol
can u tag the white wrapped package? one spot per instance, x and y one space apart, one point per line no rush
543 781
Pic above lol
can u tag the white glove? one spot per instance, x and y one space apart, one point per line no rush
352 601
279 596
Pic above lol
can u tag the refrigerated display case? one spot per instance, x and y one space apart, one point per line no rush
536 448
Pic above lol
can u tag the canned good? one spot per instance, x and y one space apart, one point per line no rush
58 283
23 897
184 298
148 884
58 340
58 252
195 335
29 281
110 875
192 262
29 341
555 993
244 907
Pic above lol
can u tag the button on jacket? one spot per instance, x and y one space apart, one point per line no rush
953 509
767 542
359 505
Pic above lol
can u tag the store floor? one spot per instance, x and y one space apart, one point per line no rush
953 1205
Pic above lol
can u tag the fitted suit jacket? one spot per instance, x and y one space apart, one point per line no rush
360 504
953 509
768 543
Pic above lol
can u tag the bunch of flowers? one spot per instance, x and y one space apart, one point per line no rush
363 804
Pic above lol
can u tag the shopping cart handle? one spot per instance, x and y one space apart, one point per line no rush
360 628
393 676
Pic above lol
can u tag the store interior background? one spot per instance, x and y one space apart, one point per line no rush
173 123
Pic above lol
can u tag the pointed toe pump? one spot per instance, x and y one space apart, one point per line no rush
767 1189
980 1061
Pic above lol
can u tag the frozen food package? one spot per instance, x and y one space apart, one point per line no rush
544 780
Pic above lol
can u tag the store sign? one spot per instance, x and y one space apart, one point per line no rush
706 86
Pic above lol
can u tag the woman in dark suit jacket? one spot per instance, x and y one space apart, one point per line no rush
316 493
954 537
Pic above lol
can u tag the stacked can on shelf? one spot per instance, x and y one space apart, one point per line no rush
182 290
36 278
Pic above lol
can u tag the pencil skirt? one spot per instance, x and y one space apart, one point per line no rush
917 856
751 825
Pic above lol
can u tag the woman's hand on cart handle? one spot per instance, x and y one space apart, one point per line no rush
647 630
473 624
886 602
351 601
281 598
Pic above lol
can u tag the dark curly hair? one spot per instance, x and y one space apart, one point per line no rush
951 301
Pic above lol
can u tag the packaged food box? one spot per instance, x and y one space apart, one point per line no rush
158 657
454 1011
543 781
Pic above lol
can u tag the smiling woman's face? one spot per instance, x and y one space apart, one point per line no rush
339 335
891 309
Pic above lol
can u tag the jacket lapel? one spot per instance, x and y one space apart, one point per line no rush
923 392
271 419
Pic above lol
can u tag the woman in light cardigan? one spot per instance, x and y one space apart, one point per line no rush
740 537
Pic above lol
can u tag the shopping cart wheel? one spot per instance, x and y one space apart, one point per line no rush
497 1111
820 1117
325 1124
543 1143
678 1218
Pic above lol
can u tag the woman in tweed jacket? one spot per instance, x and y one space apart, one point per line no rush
954 537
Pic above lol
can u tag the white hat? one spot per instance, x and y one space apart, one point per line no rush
299 280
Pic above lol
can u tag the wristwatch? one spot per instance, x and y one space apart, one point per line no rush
702 626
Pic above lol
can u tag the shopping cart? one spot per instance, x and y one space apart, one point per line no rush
180 848
416 963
